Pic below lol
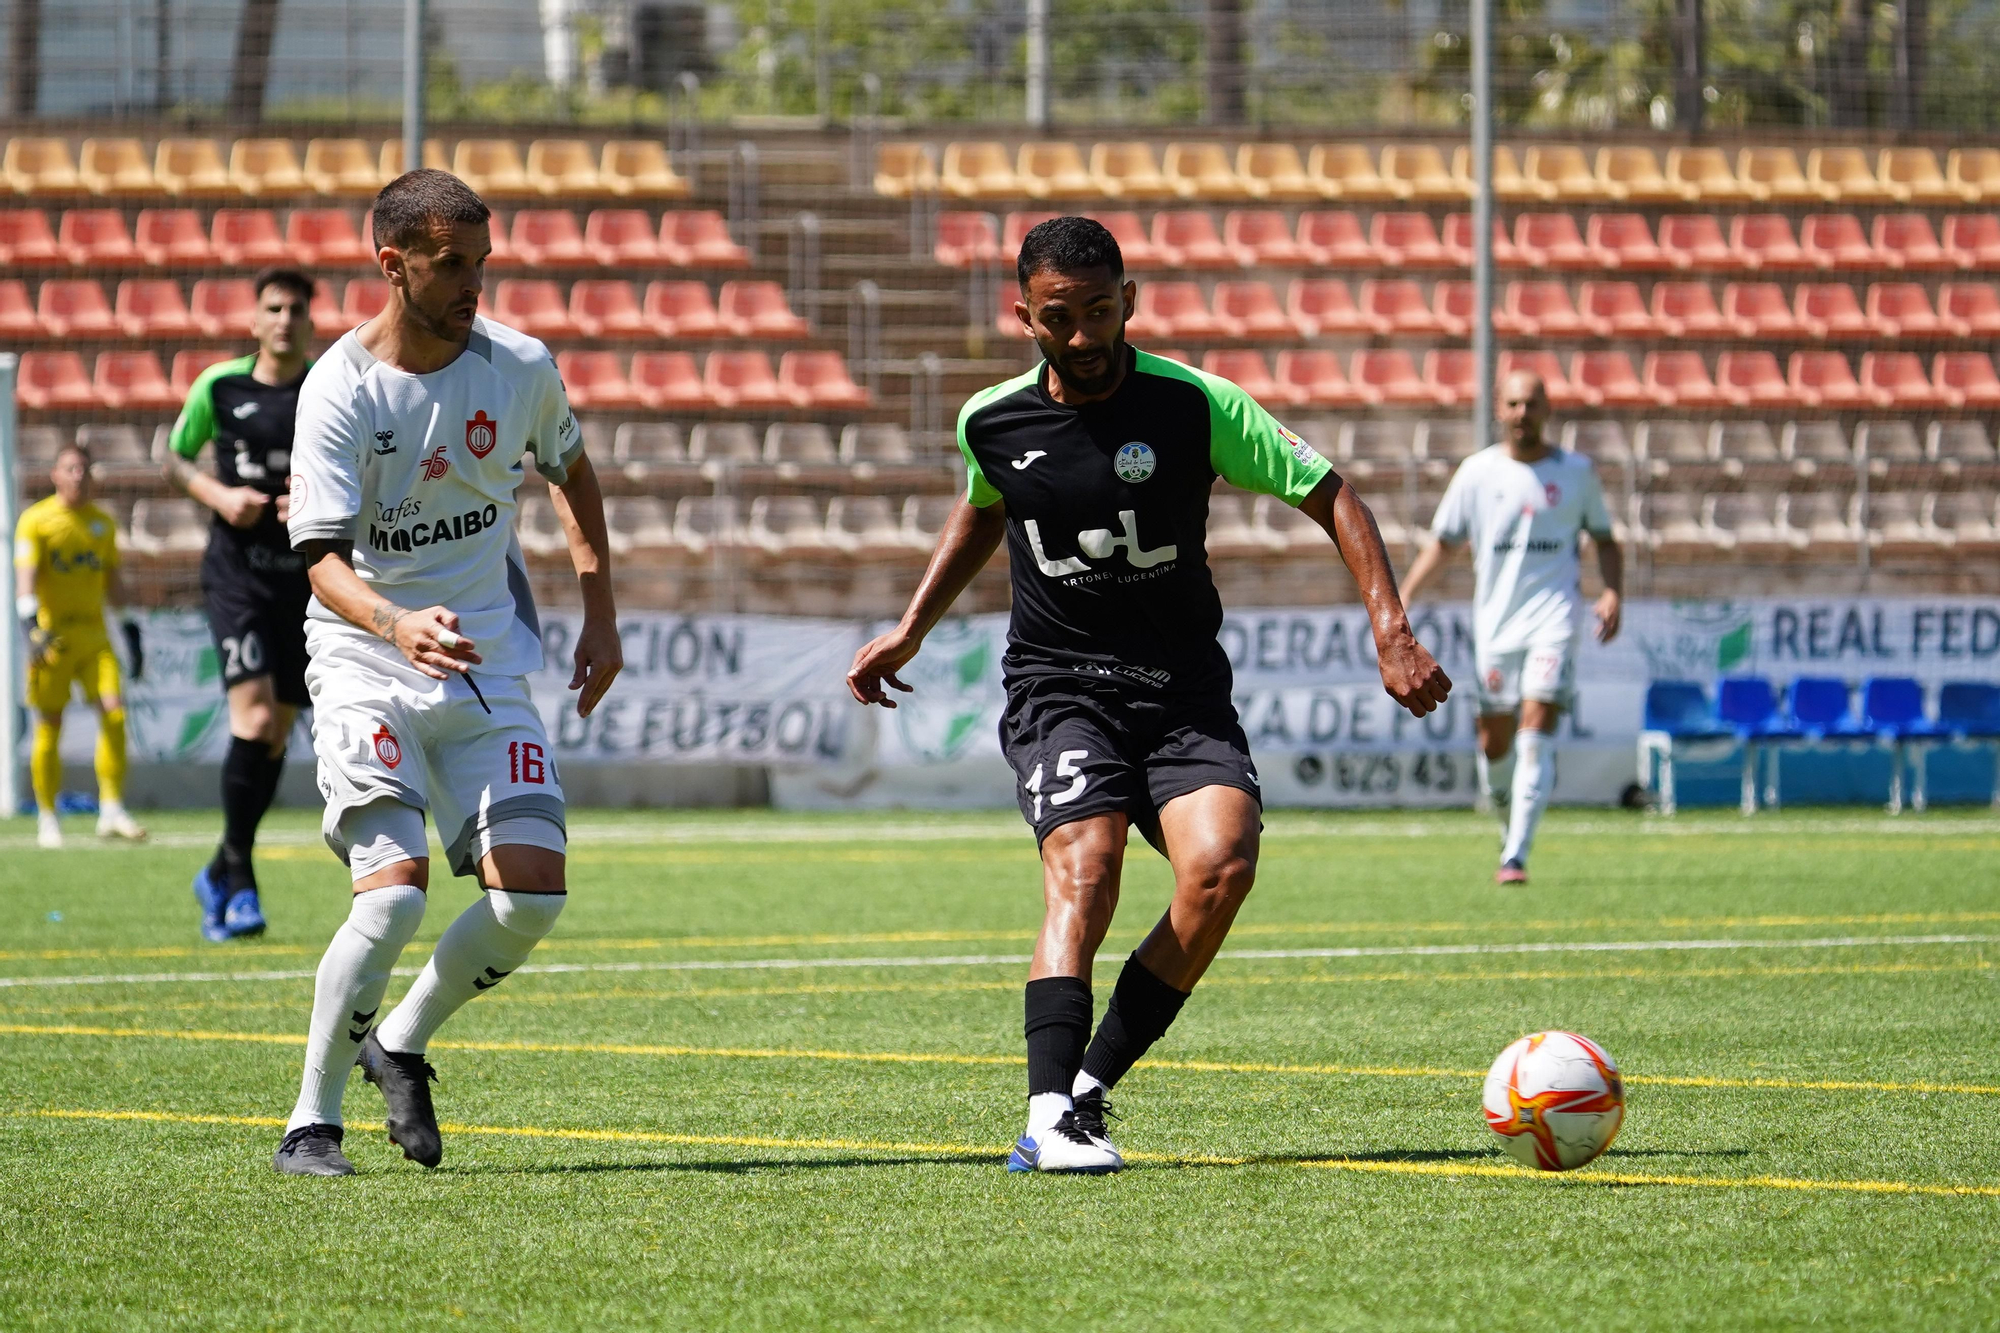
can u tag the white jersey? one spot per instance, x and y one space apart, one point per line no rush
420 473
1523 520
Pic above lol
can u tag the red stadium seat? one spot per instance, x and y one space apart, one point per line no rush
1835 240
26 241
97 238
1694 240
595 380
1903 310
1551 240
1395 305
549 238
51 381
607 308
17 312
325 237
1752 379
247 237
1972 308
1544 363
1452 302
1897 379
1458 242
1334 239
153 308
1624 241
743 379
1134 245
966 240
223 307
189 365
1606 379
621 238
173 238
1966 379
1759 310
1408 240
1247 371
1174 310
1763 242
1680 379
1451 375
1825 380
1971 239
1907 241
1544 310
1615 310
325 310
759 310
820 379
1387 377
1688 310
364 299
1189 238
681 309
1320 306
1015 228
1251 310
699 238
536 307
1317 375
75 308
1262 236
1829 310
669 380
134 380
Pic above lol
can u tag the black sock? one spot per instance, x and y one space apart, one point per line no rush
249 780
1057 1027
1142 1008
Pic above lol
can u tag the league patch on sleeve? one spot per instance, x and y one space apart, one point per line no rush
1302 451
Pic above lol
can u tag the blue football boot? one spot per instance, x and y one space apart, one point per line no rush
244 915
213 895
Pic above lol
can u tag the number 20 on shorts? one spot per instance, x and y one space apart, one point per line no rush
1065 768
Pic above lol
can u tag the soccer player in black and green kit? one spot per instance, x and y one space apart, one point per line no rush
1096 468
254 583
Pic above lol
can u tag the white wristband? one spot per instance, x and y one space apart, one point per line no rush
27 606
447 639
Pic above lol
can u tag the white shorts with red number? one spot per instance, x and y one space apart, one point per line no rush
1544 671
381 728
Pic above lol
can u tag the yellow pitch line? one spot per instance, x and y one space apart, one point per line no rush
1593 1177
661 1051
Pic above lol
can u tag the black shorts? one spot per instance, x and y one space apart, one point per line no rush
1081 747
260 630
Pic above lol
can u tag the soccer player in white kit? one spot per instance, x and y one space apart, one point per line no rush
1522 505
412 434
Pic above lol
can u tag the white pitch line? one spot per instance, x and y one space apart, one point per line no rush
1010 959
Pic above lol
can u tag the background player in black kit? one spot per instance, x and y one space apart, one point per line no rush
255 584
1096 467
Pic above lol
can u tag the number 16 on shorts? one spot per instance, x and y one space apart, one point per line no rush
1067 784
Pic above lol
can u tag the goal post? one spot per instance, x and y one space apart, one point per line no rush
13 653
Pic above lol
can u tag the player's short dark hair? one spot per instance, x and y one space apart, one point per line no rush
409 204
1068 245
290 280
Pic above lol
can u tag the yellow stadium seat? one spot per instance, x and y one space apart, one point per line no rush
1562 170
1509 184
1054 171
1773 175
266 167
342 166
1843 175
191 167
980 170
40 166
640 168
563 166
1705 173
1631 174
1975 172
1274 171
116 166
1913 176
1201 171
392 158
1417 171
1347 171
904 169
1129 171
492 167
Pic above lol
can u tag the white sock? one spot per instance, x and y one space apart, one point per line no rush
110 809
1044 1109
1534 781
1085 1084
1496 781
352 976
476 952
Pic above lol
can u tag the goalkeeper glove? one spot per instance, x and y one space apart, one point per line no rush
135 651
40 642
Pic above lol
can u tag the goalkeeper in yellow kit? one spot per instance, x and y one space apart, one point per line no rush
65 571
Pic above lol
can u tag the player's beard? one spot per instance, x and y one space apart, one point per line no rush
439 327
1114 361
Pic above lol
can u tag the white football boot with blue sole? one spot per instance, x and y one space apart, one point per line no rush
1065 1148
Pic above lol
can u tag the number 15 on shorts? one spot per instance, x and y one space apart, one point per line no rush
1065 768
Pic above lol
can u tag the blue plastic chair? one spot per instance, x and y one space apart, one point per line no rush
1819 706
1748 705
1969 710
1676 710
1892 710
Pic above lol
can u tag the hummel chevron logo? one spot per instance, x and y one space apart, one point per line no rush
1029 457
359 1032
481 983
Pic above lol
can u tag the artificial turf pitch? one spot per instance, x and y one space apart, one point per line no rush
662 1137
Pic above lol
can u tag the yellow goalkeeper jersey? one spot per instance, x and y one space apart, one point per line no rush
72 552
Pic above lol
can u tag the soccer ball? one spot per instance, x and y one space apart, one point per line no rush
1555 1099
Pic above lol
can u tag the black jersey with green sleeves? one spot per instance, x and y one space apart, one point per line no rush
251 425
1107 514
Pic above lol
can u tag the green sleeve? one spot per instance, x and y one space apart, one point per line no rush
195 426
1250 450
979 492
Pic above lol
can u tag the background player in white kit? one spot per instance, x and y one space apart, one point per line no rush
1522 505
412 432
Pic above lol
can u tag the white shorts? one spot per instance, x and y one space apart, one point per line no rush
381 728
1544 671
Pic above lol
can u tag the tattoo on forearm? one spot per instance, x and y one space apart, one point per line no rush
384 618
